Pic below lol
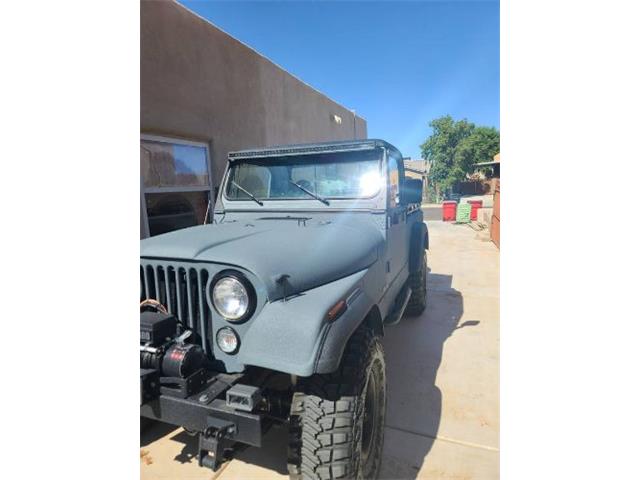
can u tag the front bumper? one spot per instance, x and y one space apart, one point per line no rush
205 411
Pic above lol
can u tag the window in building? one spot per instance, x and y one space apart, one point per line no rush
176 184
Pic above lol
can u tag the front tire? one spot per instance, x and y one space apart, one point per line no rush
337 420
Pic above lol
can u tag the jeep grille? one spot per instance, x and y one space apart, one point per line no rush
181 288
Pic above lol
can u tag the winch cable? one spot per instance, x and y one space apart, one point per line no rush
154 304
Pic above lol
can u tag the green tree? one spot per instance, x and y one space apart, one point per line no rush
454 147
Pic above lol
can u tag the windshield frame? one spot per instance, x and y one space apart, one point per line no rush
380 169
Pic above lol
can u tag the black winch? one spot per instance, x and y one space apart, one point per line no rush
170 363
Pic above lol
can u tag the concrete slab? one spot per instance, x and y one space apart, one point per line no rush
484 216
443 368
432 212
447 460
443 382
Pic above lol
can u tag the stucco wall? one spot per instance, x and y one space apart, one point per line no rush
199 83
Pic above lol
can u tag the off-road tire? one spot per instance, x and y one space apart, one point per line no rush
418 283
327 419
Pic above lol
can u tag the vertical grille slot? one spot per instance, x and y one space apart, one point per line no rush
149 281
162 297
202 305
180 293
156 284
167 289
143 288
191 292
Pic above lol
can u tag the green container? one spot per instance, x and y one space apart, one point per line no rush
463 214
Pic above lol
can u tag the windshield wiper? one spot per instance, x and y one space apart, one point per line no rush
317 197
249 194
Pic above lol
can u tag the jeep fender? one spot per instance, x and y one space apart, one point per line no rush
419 243
360 309
295 336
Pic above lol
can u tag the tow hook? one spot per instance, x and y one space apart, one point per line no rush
215 445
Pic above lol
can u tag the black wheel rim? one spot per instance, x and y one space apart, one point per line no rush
370 416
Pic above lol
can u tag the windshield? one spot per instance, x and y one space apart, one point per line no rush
329 175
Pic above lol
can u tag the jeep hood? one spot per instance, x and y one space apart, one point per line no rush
311 254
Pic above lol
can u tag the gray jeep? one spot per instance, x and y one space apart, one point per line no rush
274 312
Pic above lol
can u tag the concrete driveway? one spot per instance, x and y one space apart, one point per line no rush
432 211
443 383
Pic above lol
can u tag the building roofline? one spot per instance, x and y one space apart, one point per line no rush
267 59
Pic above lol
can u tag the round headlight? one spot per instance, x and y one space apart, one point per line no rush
231 299
227 340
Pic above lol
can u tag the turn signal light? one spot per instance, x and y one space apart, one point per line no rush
337 310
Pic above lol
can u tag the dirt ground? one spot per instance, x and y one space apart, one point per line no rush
443 383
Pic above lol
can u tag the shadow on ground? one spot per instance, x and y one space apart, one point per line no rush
413 352
272 456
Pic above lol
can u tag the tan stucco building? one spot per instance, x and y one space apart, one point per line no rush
202 94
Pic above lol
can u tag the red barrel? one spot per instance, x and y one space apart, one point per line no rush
449 211
475 205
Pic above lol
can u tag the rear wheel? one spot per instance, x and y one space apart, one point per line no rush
337 420
418 283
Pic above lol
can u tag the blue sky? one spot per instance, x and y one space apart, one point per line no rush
398 64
